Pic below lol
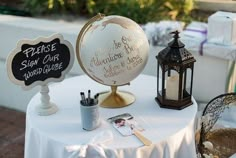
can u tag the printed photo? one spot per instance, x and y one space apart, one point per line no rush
125 124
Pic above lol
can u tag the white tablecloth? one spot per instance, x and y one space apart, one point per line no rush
171 131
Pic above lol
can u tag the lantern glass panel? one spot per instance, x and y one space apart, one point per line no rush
188 80
172 84
160 81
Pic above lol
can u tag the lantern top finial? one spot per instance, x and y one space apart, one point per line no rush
176 43
175 53
176 34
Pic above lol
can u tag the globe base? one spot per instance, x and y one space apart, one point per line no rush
115 99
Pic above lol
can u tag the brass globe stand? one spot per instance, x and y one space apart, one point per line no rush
115 98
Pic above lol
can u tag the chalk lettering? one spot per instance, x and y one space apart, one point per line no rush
53 48
28 63
35 72
28 50
31 51
48 58
52 67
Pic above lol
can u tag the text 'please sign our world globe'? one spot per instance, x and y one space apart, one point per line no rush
112 50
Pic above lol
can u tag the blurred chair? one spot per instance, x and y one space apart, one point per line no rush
216 137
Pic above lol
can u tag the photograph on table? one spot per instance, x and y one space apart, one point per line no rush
125 124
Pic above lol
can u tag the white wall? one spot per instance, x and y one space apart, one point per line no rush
209 74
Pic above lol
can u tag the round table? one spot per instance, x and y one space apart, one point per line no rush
171 131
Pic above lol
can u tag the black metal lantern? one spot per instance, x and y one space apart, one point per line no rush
174 75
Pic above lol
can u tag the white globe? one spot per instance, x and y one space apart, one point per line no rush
112 50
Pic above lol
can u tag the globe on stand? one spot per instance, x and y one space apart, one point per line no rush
112 50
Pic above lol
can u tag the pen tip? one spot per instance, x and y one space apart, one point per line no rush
96 96
81 93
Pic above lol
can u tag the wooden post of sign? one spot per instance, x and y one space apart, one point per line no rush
46 107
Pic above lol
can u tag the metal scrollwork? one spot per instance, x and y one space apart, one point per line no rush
185 55
177 68
212 113
214 109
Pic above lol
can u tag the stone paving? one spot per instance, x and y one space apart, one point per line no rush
12 133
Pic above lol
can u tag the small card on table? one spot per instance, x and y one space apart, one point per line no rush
125 123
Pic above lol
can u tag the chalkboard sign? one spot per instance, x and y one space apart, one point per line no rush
40 61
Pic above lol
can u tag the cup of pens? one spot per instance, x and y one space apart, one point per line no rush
89 111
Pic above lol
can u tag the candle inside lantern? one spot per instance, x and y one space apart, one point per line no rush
172 87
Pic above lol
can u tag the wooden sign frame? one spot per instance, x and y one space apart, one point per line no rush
18 49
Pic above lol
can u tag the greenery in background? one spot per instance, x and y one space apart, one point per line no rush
41 7
141 11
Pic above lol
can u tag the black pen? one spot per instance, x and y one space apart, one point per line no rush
83 98
96 98
89 101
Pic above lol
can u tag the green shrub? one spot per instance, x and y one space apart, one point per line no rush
141 11
39 7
